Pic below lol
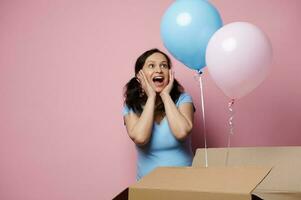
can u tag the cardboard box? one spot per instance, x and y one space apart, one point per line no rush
189 183
243 176
284 181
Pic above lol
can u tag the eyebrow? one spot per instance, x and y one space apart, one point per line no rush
154 61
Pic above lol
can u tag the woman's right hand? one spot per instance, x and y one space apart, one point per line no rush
150 92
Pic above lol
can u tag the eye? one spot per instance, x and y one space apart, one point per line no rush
165 66
151 66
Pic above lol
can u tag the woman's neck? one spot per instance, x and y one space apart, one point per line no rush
158 100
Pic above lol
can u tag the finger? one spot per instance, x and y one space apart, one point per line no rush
144 77
171 80
142 74
139 78
173 75
170 75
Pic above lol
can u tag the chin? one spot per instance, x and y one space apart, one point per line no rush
158 90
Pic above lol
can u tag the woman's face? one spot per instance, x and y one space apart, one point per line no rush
156 70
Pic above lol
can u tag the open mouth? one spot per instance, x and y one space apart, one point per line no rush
158 79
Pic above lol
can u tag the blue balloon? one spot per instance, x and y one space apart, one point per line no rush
186 27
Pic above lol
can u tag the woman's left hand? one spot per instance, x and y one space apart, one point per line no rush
168 88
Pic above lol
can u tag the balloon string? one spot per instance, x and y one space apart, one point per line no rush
203 113
230 107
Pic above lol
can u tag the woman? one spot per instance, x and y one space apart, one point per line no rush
158 115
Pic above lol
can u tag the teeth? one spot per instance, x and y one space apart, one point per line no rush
158 78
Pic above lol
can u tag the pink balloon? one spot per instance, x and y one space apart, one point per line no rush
238 58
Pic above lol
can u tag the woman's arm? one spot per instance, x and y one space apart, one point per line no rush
180 120
140 128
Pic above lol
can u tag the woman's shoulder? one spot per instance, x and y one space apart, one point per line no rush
184 98
126 110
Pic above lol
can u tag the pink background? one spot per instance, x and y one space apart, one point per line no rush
63 65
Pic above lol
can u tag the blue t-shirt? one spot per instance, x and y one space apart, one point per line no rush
163 149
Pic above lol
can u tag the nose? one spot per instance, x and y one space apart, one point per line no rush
158 68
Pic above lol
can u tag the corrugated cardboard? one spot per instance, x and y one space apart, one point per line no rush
214 183
284 181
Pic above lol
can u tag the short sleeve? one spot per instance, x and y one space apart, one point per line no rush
126 110
185 98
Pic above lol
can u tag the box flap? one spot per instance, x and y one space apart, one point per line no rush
285 176
204 182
